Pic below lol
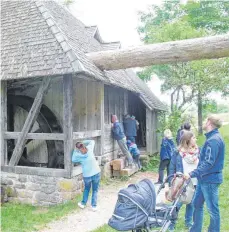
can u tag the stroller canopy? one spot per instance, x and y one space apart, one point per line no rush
142 194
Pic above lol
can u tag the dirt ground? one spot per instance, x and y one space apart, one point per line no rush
87 220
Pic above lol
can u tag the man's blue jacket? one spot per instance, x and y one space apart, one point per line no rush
209 169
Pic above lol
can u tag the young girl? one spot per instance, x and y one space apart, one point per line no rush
84 154
185 160
167 149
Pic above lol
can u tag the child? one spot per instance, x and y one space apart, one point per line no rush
134 151
84 154
167 149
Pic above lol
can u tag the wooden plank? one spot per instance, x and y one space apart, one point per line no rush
125 104
53 136
102 121
76 104
83 105
68 125
90 105
118 164
149 131
35 171
154 135
35 136
86 134
32 116
3 122
211 47
128 171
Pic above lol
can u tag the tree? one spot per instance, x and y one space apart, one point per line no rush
190 81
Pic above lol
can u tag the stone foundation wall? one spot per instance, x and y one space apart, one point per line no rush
40 190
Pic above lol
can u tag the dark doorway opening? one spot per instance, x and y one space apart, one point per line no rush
138 109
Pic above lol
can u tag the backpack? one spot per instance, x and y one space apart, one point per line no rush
174 191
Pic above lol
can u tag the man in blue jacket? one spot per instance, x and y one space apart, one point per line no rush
118 134
209 175
130 128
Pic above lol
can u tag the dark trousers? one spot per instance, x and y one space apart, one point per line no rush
163 164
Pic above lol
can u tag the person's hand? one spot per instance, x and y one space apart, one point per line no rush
186 176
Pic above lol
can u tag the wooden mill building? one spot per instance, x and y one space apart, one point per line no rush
52 95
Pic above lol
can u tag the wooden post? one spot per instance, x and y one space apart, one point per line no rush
68 125
30 120
102 121
149 132
3 122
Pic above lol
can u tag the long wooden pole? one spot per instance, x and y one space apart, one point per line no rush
162 53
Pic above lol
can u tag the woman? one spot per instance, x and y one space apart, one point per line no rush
185 160
83 154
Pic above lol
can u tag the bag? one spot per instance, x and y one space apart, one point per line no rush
174 191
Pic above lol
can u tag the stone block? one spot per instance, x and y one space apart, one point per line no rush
66 185
19 186
11 192
9 182
21 193
25 200
53 198
107 170
48 188
22 178
116 173
33 186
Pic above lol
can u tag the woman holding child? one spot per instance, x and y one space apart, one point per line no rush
185 160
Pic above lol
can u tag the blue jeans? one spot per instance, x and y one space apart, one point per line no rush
88 182
188 214
206 192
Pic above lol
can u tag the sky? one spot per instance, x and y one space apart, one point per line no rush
118 20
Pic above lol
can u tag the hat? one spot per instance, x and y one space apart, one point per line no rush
128 142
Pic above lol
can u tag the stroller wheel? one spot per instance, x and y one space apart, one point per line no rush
140 230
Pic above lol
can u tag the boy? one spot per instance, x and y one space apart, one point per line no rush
134 151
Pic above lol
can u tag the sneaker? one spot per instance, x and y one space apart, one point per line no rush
158 182
81 205
94 208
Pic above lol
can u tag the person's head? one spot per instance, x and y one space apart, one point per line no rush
81 147
128 142
212 122
114 118
168 134
187 126
132 117
188 140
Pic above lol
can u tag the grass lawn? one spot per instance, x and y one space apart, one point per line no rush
223 200
25 218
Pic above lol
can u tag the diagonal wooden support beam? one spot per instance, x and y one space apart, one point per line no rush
30 120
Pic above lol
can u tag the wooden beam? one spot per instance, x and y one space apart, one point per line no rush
3 121
52 136
163 53
149 132
68 122
86 134
102 120
35 136
30 120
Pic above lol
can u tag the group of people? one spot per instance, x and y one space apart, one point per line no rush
126 138
203 165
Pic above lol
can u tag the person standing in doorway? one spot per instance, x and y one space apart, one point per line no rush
167 150
209 175
84 154
118 134
130 127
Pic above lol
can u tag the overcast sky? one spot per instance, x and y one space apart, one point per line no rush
118 20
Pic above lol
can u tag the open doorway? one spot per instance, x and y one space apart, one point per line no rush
138 109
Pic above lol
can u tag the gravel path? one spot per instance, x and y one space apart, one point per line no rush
87 220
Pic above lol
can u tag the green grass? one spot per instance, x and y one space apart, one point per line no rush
25 218
223 198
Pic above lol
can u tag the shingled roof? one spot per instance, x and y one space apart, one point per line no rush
42 38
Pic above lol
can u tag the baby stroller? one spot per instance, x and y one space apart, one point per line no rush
136 208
